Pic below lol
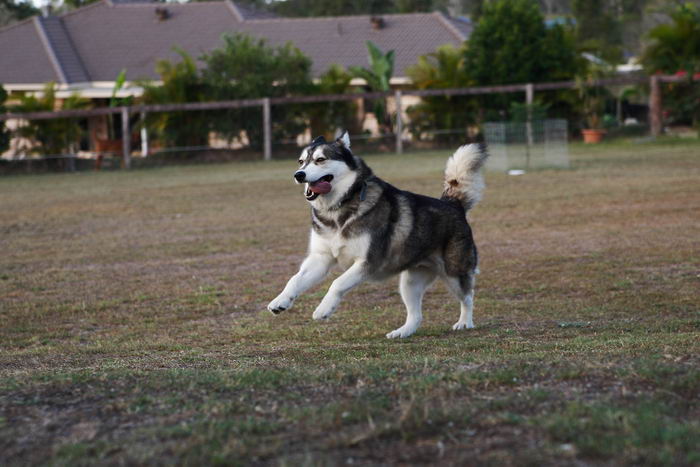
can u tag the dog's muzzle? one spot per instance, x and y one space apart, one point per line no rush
300 176
319 187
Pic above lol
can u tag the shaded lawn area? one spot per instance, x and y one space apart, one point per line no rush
133 330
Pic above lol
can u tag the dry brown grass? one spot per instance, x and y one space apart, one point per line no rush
132 327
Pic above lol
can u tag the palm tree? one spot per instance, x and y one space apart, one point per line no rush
443 69
675 48
377 76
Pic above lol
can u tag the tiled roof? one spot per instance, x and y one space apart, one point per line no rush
68 61
97 41
343 39
23 58
249 12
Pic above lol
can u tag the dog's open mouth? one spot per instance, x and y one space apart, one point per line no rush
319 187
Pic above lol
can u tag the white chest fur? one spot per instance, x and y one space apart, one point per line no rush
346 251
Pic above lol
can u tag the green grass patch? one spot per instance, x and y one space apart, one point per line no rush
133 327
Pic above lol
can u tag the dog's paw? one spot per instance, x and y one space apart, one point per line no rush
403 331
459 325
280 304
323 311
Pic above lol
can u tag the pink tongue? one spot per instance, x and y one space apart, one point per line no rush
320 187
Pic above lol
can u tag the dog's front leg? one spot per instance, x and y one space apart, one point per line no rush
312 271
354 276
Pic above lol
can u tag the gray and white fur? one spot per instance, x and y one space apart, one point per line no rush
373 231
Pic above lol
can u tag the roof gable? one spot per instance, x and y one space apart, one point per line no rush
61 51
96 42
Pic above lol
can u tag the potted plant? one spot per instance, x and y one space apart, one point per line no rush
593 102
594 132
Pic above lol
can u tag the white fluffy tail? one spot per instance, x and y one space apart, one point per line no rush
463 180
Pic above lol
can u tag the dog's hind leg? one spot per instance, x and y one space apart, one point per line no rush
463 289
412 285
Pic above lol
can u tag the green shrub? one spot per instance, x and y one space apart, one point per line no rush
326 118
49 137
378 77
181 83
248 68
442 69
675 48
511 44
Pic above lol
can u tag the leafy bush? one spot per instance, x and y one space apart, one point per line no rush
511 44
675 48
181 84
326 118
443 69
378 76
247 68
54 136
598 29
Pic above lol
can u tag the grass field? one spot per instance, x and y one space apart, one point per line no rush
133 330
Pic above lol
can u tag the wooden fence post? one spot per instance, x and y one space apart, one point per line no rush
126 138
267 130
655 112
399 122
529 99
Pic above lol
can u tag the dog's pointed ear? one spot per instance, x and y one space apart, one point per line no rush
344 139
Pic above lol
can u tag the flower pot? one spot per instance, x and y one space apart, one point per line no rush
592 136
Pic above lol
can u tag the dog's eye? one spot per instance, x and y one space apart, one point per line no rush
300 161
320 159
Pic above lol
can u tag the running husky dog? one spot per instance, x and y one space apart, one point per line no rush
374 230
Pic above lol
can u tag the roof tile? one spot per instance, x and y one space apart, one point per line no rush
107 37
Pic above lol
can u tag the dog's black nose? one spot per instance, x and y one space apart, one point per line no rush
300 176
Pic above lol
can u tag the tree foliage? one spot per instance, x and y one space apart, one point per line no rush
243 68
49 137
73 4
326 118
443 69
378 78
510 44
247 68
351 7
598 30
11 11
675 48
181 83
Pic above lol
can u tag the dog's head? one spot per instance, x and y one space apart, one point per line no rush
327 169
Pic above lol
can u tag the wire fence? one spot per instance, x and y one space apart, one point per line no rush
279 127
527 145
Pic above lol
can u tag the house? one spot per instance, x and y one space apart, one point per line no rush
85 49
